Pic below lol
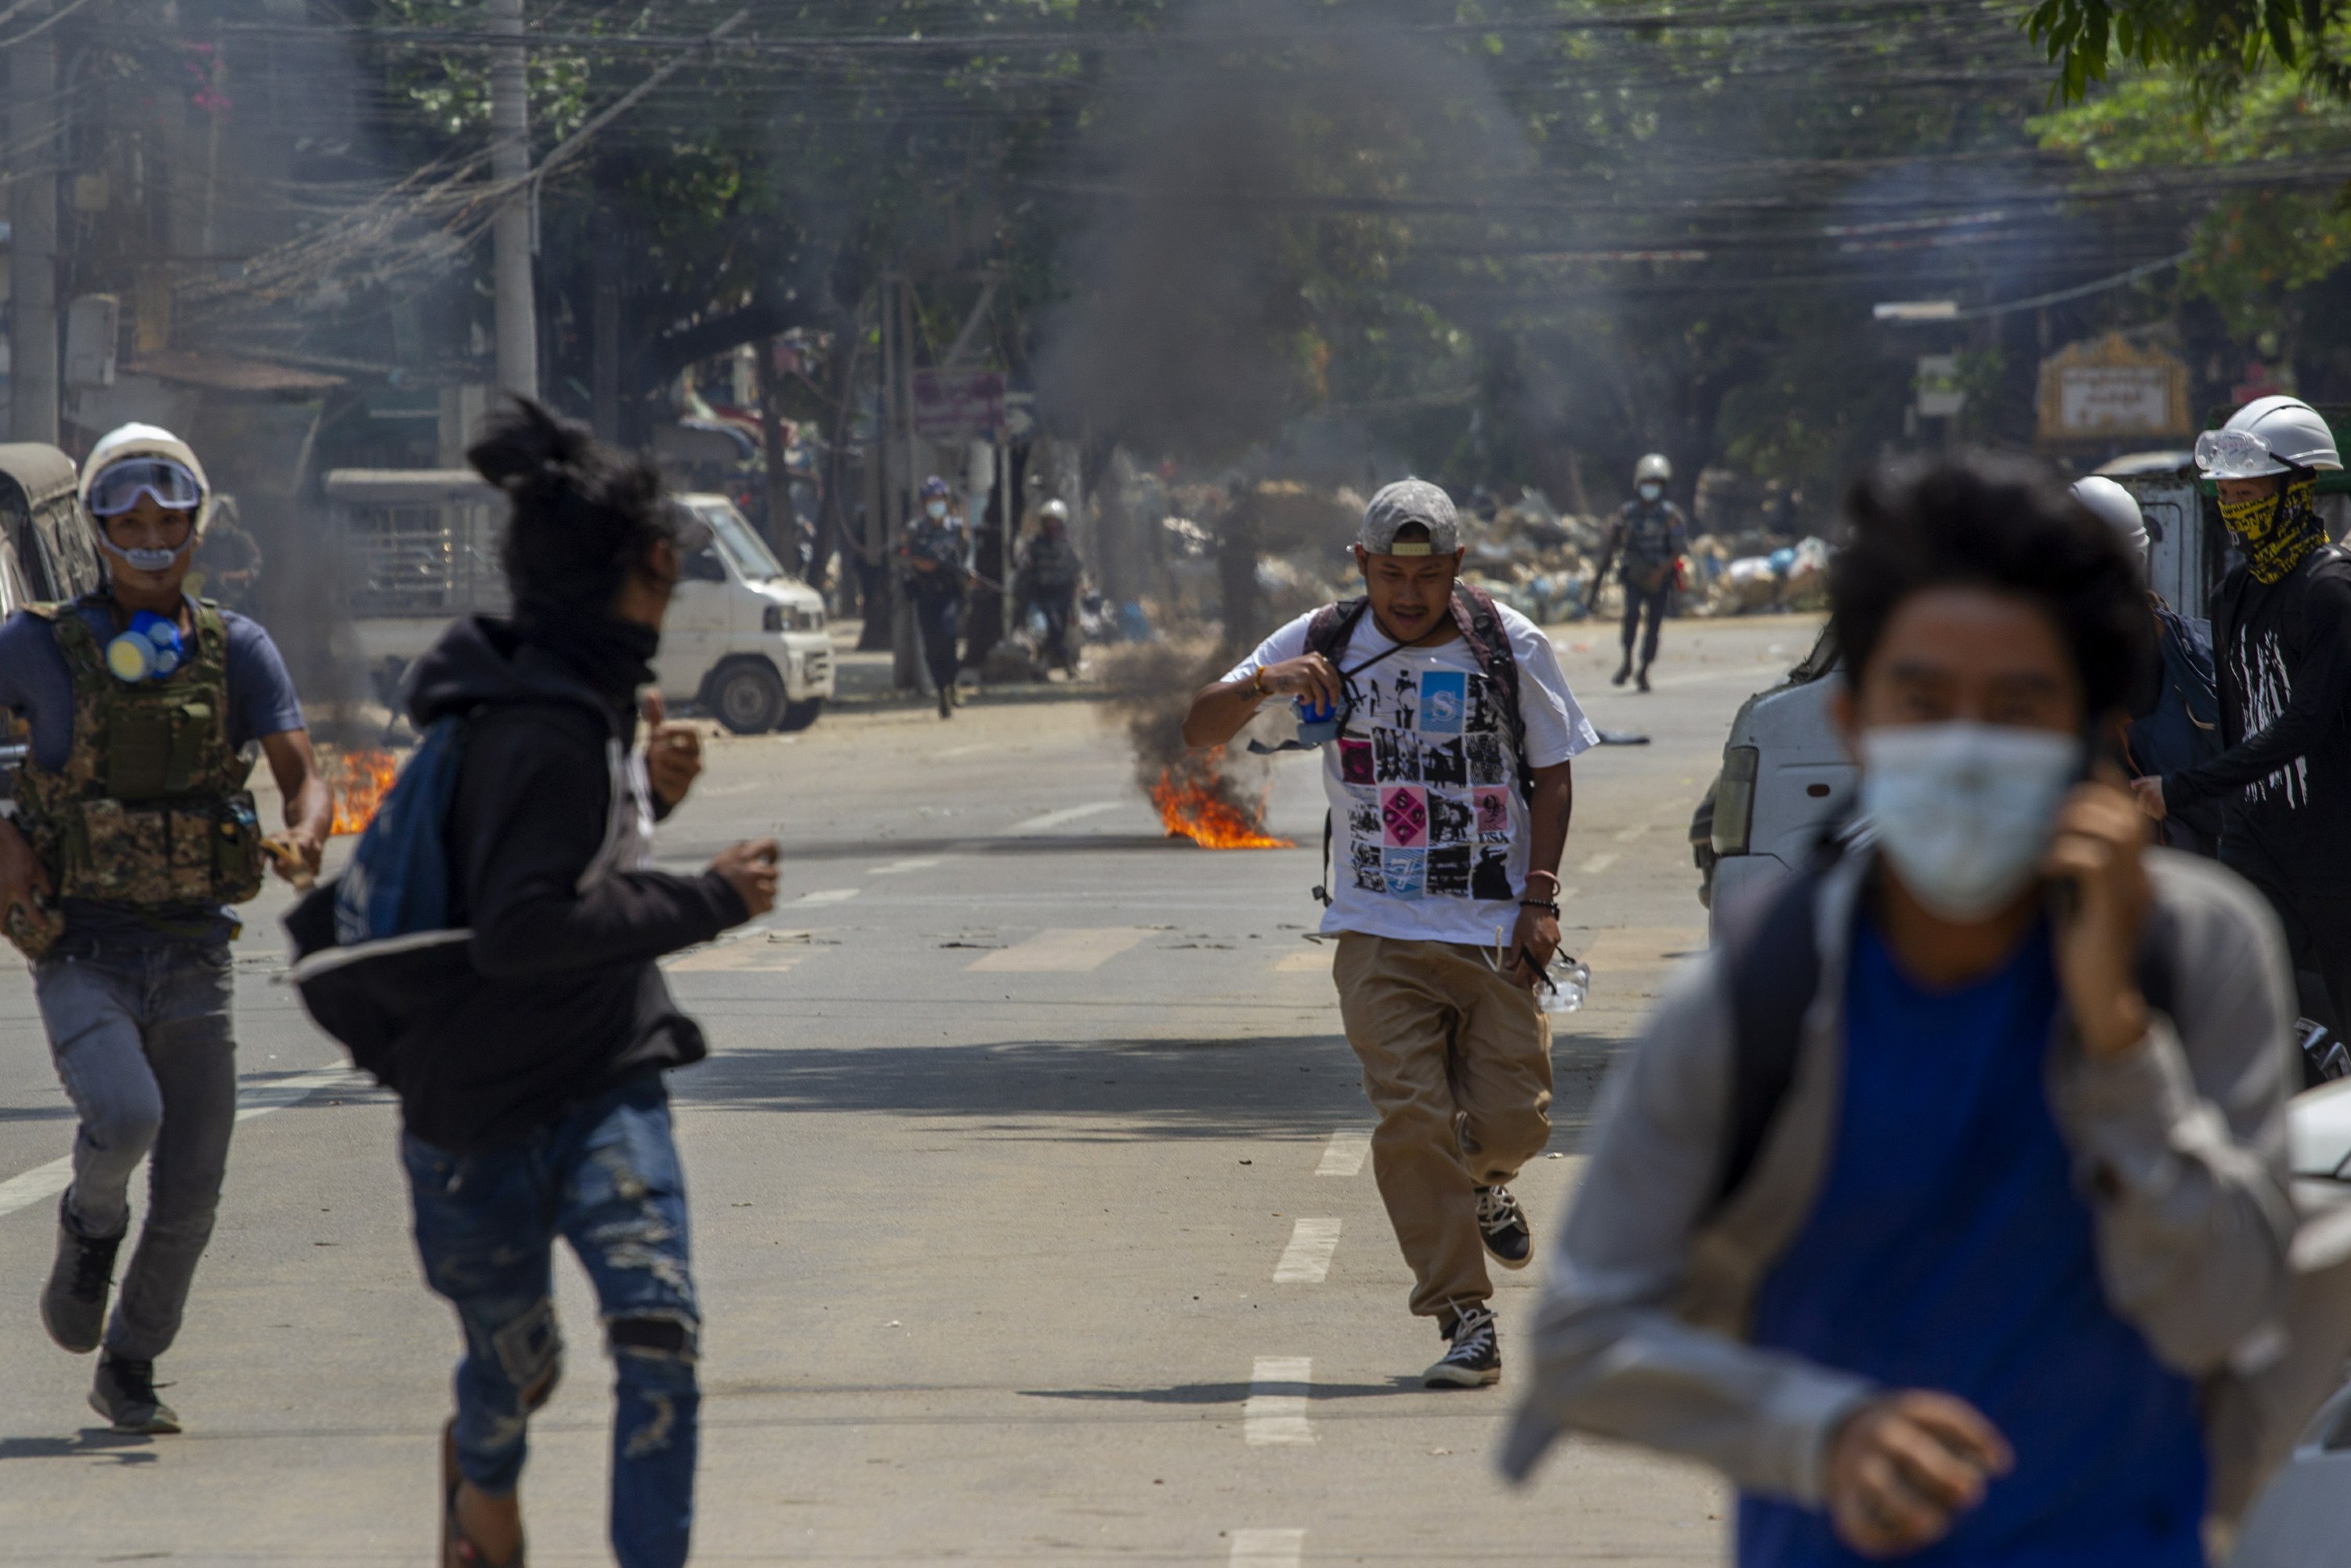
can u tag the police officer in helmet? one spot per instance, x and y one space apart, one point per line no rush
133 837
1646 542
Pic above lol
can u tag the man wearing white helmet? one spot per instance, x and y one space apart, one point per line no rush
1047 582
2176 716
134 834
1646 542
2282 640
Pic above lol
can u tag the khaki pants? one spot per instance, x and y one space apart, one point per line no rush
1456 1062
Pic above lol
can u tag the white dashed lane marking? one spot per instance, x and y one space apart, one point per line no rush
742 958
1268 1548
1344 1154
1598 864
825 895
1307 1259
1051 820
898 868
1061 950
47 1181
1635 831
1275 1413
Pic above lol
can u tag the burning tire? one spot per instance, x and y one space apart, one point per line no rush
748 697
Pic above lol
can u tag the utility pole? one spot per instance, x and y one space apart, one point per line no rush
518 308
33 126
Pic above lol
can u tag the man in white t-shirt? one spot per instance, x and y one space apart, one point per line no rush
1449 791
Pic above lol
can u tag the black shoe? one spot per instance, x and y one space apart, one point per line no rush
125 1395
947 702
1503 1226
73 1305
1476 1359
1624 672
1642 680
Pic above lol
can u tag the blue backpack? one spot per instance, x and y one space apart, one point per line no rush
397 883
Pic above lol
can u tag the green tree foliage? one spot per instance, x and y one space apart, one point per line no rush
2254 252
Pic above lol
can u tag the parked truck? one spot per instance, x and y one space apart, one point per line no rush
744 641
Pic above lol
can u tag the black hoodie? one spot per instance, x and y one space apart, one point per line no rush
555 997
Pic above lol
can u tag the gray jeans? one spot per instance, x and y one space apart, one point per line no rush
143 1044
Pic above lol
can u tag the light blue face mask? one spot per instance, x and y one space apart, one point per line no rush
1964 811
144 557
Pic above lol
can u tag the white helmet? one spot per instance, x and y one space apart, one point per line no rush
1054 511
2268 435
2116 507
1655 466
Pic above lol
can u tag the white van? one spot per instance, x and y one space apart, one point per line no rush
745 641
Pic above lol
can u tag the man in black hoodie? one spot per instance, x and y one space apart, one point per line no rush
526 1039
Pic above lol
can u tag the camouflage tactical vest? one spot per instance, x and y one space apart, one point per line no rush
151 808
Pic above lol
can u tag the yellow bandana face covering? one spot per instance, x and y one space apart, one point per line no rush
2277 532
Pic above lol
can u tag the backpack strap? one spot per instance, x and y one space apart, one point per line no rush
1490 644
1774 969
1332 625
1326 634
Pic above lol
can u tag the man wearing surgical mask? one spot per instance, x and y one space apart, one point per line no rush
1935 1202
2281 648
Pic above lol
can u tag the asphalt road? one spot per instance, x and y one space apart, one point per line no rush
1032 1219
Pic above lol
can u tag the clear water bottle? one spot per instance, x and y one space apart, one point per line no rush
1569 981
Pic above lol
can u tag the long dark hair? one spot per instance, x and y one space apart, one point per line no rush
582 516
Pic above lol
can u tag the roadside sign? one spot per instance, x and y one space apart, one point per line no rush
955 404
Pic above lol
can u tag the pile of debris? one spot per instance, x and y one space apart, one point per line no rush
1755 573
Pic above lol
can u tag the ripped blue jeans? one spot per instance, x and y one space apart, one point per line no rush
606 1178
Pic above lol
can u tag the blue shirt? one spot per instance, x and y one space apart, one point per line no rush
1949 1250
37 683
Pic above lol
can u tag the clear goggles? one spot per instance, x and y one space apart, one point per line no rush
119 486
2235 454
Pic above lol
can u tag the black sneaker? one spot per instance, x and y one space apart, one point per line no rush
73 1304
1642 680
1476 1359
1503 1226
1624 672
124 1394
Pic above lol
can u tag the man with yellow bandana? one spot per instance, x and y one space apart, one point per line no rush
2282 645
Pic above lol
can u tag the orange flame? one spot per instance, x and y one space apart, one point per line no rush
1196 801
359 779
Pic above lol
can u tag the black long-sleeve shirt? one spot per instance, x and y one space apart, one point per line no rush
2283 656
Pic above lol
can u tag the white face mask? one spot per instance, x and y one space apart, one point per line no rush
1964 811
1652 492
935 509
144 557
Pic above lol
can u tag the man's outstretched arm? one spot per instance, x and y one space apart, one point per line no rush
1219 711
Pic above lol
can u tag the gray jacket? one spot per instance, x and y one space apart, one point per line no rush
2180 1148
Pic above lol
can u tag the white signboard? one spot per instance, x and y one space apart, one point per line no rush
2114 399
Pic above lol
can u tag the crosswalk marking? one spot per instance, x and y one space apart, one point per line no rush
1275 1419
1061 951
1268 1549
1314 960
43 1182
1051 820
1345 1153
1307 1259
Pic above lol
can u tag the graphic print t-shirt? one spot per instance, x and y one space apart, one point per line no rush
1428 833
2283 656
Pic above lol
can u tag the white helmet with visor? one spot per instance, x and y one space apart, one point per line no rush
2268 435
144 460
